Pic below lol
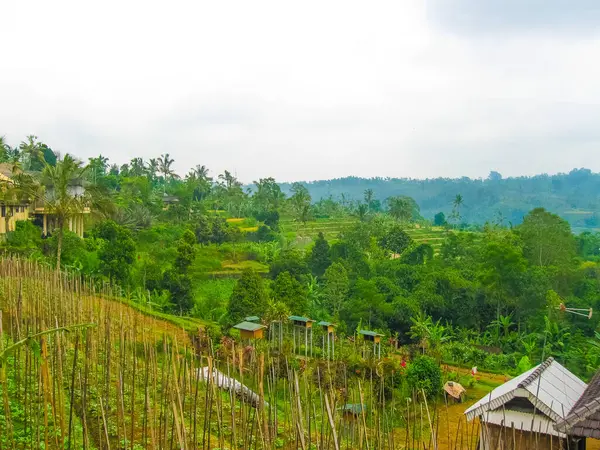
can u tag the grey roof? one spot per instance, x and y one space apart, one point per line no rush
369 333
249 326
551 388
252 319
323 323
584 418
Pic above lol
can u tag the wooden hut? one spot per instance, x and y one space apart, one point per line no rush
583 420
250 330
328 338
305 324
375 338
454 391
521 413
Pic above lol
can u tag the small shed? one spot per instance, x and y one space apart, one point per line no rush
300 321
306 324
353 410
583 420
328 339
250 330
328 327
521 413
454 390
375 338
371 336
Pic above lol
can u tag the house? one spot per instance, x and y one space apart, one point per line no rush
583 420
11 212
250 330
521 413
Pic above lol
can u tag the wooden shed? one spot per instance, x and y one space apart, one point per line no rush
328 340
300 321
521 413
375 338
250 330
306 324
371 336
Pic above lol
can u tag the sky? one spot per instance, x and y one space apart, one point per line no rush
309 90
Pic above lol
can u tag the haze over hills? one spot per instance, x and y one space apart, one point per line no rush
573 195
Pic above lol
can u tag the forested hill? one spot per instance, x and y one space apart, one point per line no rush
573 196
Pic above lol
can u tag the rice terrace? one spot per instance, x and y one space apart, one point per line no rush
264 225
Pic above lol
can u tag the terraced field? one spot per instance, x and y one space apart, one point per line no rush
331 229
433 236
306 233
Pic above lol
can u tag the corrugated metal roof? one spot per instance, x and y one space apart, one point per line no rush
300 319
584 418
549 386
369 333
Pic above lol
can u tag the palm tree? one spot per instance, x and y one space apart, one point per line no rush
201 172
164 166
62 194
4 149
31 151
456 204
369 195
152 168
137 167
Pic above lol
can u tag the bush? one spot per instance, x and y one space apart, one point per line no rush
424 374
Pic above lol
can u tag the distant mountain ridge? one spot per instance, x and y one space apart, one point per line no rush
574 195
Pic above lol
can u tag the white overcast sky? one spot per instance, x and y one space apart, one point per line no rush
309 89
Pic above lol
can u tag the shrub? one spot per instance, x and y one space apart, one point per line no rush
424 375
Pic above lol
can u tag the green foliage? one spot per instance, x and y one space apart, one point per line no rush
319 259
117 251
26 239
336 287
439 219
290 292
395 240
249 297
547 239
424 375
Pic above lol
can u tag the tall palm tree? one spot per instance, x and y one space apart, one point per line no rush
152 168
60 189
164 167
456 204
31 151
136 167
4 148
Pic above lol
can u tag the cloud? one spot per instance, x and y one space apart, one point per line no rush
303 91
577 17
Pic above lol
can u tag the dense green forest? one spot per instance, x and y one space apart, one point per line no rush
573 196
168 264
206 247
